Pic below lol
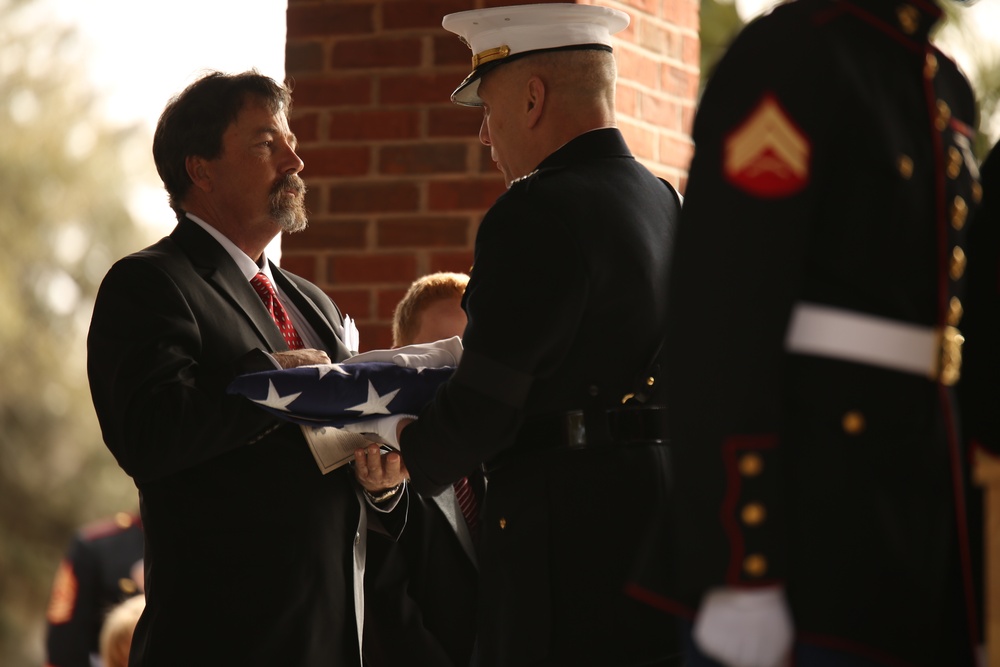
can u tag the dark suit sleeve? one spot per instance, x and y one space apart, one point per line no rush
159 359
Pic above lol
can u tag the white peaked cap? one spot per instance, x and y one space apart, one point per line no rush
500 34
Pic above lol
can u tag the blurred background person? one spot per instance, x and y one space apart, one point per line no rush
814 311
102 567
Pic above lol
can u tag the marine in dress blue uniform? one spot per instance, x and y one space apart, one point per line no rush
566 306
102 567
815 306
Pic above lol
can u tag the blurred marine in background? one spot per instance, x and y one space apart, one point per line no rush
814 344
102 567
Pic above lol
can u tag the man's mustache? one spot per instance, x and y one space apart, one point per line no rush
290 182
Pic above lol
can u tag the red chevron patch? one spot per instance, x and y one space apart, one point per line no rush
767 156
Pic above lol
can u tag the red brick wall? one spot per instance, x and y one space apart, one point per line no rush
398 180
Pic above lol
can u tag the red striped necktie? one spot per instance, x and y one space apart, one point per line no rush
267 294
468 503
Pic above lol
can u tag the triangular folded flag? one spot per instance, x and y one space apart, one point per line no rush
338 394
368 385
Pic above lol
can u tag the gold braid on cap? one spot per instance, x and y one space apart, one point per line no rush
489 55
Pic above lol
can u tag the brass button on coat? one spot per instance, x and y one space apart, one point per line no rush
905 166
930 66
909 18
750 465
753 514
943 115
755 565
959 213
853 422
957 267
954 167
955 311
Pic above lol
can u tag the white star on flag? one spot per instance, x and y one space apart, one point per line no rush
375 405
326 368
275 400
376 383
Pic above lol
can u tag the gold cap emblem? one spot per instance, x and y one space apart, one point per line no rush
489 55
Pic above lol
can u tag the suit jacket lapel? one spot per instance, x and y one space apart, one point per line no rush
215 265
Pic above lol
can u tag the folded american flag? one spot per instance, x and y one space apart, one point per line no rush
338 394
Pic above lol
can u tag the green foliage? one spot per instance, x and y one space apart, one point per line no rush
987 85
64 180
719 26
984 72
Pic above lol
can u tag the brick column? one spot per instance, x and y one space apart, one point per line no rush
398 181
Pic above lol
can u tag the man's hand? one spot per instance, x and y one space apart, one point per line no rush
377 471
296 358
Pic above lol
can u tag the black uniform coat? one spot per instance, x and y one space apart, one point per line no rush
832 166
232 500
98 572
565 305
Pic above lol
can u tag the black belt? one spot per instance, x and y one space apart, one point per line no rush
589 429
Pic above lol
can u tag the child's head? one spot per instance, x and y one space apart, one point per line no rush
116 633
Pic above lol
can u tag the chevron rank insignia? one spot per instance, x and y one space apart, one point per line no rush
63 599
767 156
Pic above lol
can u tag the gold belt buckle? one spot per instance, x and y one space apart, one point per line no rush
950 358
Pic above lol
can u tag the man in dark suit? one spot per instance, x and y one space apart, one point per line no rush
420 591
566 304
815 298
232 500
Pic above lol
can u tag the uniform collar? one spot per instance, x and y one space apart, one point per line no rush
605 142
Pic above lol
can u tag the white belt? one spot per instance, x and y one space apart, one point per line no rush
866 339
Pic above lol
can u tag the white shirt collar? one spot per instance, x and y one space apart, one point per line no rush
243 261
